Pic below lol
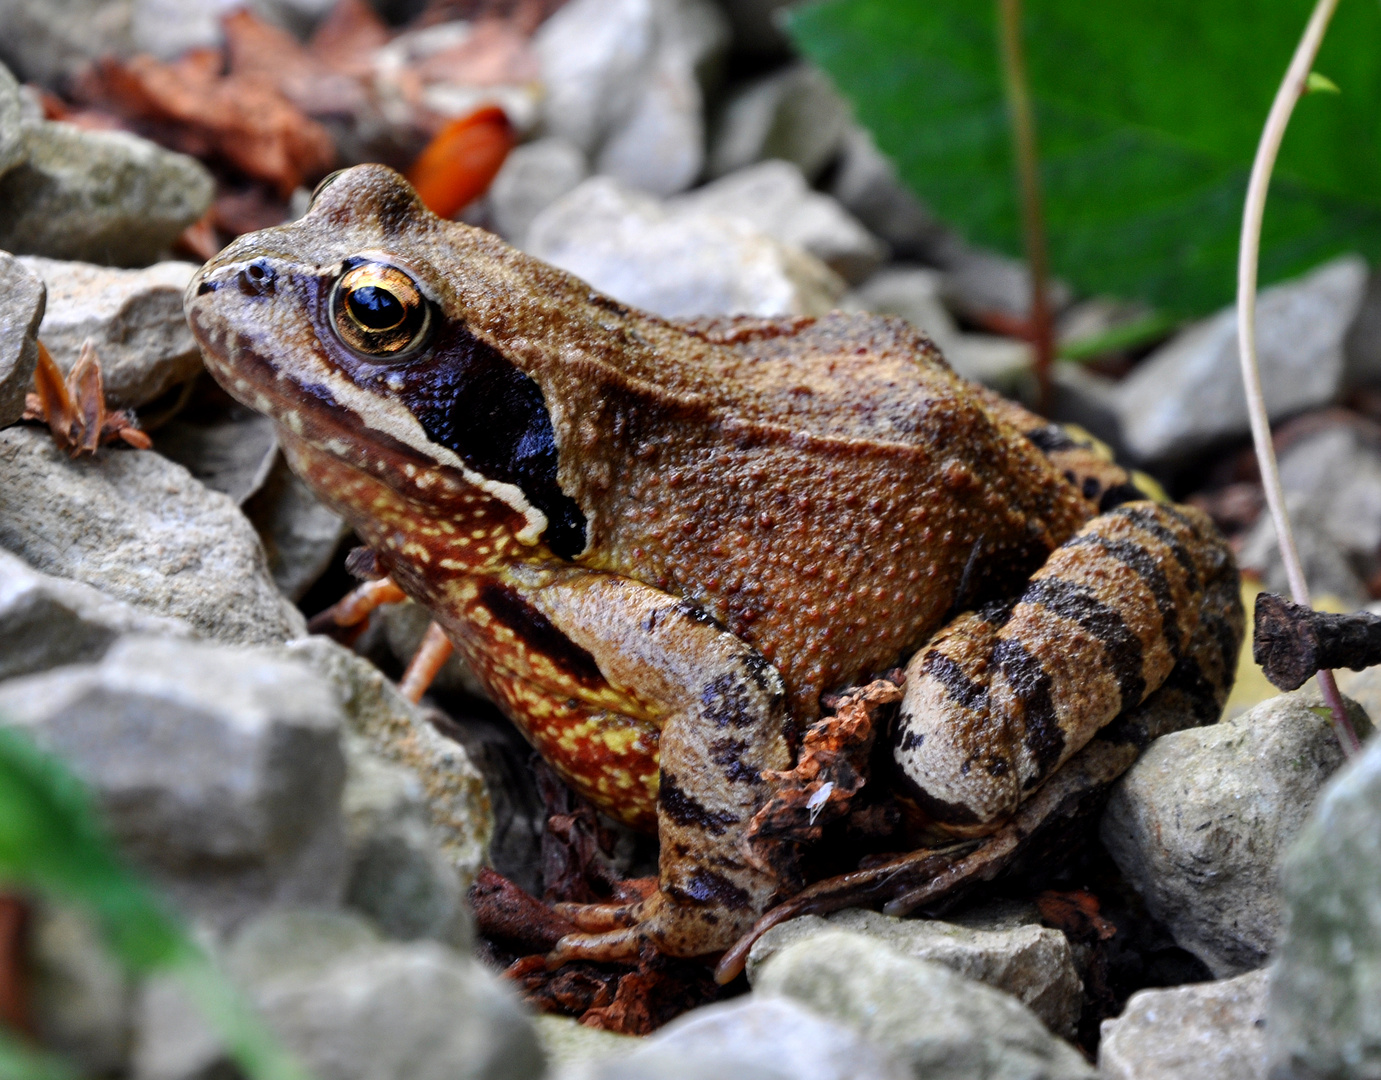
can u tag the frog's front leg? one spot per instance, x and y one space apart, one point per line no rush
725 722
1002 697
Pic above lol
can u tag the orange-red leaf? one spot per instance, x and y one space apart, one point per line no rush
459 164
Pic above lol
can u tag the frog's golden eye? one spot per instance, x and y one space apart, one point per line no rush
378 311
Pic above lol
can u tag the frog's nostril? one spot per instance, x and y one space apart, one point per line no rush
256 279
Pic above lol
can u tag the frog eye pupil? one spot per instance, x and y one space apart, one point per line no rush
378 312
375 308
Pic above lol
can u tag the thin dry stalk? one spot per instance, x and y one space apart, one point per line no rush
1292 88
1029 183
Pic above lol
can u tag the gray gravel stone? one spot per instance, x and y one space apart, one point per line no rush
627 244
378 1011
403 626
22 298
48 621
795 114
399 875
1199 823
1322 1016
300 534
218 769
1332 481
11 117
533 177
232 454
400 732
866 182
773 197
941 1024
134 318
47 41
1189 393
349 1007
82 998
140 529
623 85
755 1038
1211 1031
1032 963
567 1042
100 196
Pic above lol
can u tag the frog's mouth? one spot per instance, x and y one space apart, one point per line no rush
253 319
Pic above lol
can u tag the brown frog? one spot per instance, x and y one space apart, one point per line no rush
658 543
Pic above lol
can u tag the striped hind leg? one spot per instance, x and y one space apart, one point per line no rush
1002 697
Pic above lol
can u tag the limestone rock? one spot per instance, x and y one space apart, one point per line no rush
1211 1031
139 528
533 177
134 318
795 114
22 298
350 1007
755 1038
400 732
677 265
773 197
1188 393
940 1024
399 874
1199 823
1322 1019
624 85
48 621
218 769
1032 963
99 196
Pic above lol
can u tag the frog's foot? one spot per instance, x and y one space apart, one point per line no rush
614 932
352 609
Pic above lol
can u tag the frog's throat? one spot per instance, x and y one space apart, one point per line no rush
307 395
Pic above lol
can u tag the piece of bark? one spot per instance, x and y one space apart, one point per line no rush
1291 642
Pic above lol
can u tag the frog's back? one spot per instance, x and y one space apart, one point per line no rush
827 488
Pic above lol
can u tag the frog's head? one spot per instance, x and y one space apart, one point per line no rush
378 334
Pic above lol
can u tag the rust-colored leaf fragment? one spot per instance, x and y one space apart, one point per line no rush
459 164
831 770
15 998
1076 913
509 915
659 991
74 409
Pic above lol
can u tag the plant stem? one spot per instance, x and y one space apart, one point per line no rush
1029 183
1292 88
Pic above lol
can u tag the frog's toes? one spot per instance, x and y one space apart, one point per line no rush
597 918
623 944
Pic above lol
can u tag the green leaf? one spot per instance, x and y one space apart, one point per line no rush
21 1062
51 843
1148 114
1317 83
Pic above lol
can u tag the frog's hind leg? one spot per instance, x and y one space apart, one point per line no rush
1002 697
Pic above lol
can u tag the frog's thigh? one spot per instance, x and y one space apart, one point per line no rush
726 722
1001 698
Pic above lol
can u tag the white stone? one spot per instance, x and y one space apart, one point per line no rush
139 528
677 265
795 114
942 1025
773 196
22 300
1210 1031
218 769
533 177
1199 823
1189 393
133 317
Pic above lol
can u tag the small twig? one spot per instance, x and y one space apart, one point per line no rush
1029 182
1292 88
1291 642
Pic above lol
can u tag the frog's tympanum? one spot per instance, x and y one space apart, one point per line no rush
658 543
